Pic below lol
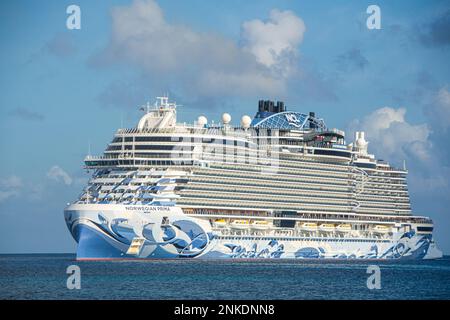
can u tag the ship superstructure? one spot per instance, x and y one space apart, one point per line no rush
280 185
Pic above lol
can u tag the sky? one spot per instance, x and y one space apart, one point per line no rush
64 92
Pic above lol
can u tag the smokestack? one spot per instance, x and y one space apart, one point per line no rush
261 105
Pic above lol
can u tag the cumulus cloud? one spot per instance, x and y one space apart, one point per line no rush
391 136
56 173
203 64
274 43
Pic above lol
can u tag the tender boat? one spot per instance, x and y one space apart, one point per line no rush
260 225
220 223
327 227
239 224
309 226
381 229
345 227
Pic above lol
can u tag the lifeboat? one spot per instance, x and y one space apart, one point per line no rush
326 227
239 224
344 227
220 223
381 229
308 226
260 225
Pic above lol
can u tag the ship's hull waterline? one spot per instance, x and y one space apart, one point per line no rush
162 232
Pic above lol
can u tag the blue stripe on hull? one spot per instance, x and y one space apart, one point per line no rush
91 244
96 243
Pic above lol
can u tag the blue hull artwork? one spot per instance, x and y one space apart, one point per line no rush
185 237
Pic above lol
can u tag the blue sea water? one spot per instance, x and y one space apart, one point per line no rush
44 276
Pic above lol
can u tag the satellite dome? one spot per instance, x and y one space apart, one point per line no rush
226 118
202 120
246 121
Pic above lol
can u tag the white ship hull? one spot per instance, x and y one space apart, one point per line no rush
109 231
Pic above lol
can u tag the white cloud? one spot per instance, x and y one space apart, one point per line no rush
394 139
205 63
14 187
10 187
11 182
5 195
275 41
58 174
391 136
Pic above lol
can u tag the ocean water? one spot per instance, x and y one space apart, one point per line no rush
44 277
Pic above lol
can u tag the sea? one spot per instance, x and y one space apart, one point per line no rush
46 276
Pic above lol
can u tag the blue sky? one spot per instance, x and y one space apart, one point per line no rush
63 90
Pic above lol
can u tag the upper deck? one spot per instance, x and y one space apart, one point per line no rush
274 133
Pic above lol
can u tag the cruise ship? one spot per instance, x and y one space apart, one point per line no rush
280 185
